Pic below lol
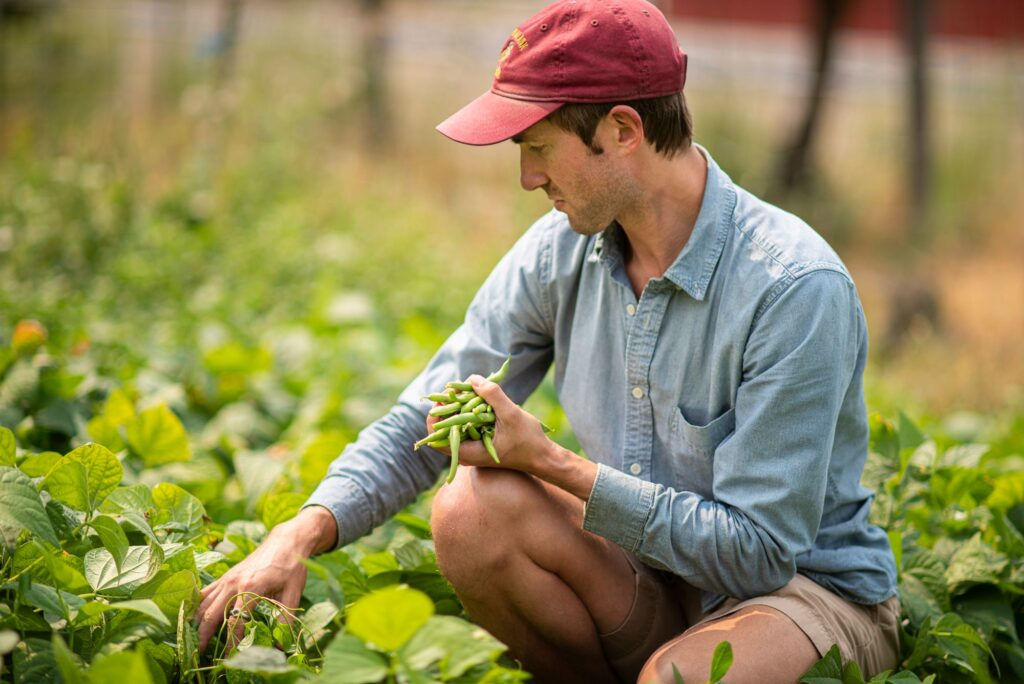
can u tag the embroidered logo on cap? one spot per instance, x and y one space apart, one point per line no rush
518 40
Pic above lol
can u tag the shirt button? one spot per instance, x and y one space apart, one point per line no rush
635 469
638 392
630 309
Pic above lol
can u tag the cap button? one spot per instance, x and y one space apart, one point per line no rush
593 22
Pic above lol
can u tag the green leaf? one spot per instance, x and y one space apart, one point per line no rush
259 660
136 497
123 666
112 536
910 435
388 617
8 447
926 566
104 431
180 589
187 650
974 563
175 505
721 661
316 620
380 562
852 673
40 465
118 408
158 437
85 477
55 602
1007 493
963 456
69 665
36 664
143 606
988 610
457 644
22 509
828 670
139 522
331 590
278 508
676 676
140 564
348 661
917 601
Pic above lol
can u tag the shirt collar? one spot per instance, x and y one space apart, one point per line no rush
695 265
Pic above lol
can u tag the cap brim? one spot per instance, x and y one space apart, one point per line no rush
491 118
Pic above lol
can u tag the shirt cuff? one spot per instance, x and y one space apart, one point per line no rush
618 507
346 502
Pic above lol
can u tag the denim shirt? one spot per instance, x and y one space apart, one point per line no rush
724 407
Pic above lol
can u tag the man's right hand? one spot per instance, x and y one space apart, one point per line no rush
274 570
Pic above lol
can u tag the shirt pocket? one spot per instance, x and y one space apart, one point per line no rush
693 450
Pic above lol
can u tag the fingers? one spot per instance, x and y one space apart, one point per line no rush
240 614
291 596
210 613
492 394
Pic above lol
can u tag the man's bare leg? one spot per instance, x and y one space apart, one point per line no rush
768 648
515 551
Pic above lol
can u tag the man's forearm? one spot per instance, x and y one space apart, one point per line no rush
314 529
566 470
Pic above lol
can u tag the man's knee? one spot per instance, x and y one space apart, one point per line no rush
474 517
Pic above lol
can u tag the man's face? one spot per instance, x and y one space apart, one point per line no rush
589 188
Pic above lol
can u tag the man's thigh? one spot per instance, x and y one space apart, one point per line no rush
777 637
768 648
488 516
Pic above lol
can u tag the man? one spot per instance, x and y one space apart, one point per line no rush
709 351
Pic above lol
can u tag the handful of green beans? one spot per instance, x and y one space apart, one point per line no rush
469 418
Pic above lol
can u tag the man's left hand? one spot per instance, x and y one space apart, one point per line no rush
519 438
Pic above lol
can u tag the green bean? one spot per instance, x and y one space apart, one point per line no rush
465 396
446 409
472 431
459 419
471 404
463 418
432 437
454 441
499 375
460 386
439 444
481 408
489 445
439 397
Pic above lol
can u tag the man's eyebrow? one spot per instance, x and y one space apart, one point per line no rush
517 139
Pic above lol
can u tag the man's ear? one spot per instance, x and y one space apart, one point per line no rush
627 128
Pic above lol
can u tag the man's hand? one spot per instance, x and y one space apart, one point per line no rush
519 438
274 570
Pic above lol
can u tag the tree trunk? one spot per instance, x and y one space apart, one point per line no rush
917 105
793 170
375 61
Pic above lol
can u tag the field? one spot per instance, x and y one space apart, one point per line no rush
209 284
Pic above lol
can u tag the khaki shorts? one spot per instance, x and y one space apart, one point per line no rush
664 607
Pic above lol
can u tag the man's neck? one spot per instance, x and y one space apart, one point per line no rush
661 221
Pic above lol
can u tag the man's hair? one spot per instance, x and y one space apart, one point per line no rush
667 122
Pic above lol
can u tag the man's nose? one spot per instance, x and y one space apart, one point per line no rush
531 176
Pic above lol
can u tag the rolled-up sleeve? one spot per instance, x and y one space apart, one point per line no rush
379 473
770 475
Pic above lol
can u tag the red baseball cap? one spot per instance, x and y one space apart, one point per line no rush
573 51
